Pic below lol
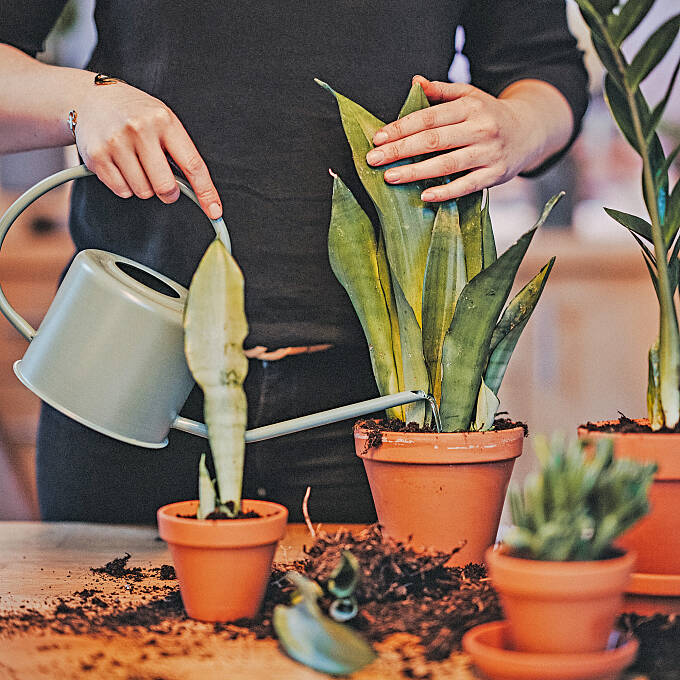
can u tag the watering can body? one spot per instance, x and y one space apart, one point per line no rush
109 353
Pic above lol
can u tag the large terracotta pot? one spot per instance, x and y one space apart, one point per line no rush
655 538
438 489
559 607
223 566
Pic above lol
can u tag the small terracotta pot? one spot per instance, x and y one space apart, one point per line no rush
559 607
438 489
656 537
222 566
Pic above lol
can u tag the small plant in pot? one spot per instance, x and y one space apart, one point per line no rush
559 575
657 538
222 547
431 293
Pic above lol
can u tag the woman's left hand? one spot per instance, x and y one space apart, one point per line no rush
489 139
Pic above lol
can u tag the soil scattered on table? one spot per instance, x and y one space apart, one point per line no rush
410 605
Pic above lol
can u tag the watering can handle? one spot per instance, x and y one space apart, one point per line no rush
43 187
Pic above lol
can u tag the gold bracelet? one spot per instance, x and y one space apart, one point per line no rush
72 120
103 79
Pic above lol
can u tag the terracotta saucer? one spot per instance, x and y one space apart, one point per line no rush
487 645
649 594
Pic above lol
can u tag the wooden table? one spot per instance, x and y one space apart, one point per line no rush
40 562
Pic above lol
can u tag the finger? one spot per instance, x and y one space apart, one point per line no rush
183 151
109 174
426 119
445 164
158 170
437 91
428 141
130 168
479 179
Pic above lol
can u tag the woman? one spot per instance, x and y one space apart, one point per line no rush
224 92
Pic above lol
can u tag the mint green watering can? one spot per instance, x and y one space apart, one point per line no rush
110 351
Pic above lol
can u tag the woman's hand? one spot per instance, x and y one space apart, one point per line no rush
123 135
489 139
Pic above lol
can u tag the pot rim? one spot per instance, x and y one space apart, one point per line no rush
442 448
665 450
573 579
216 533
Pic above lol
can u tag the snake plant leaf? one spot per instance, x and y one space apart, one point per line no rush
415 101
413 361
511 325
444 280
405 219
487 407
628 19
632 222
215 327
470 210
654 410
489 253
207 498
466 344
651 53
344 578
313 639
352 250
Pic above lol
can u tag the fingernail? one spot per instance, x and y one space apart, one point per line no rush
374 157
379 137
214 211
392 175
428 195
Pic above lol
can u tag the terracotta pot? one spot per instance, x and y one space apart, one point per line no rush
222 566
438 489
656 537
559 607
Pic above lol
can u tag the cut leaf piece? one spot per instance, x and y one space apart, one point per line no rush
313 639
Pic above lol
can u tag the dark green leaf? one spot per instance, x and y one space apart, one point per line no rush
488 239
510 327
651 53
470 210
672 217
620 110
631 14
352 250
591 16
662 171
632 222
609 59
604 7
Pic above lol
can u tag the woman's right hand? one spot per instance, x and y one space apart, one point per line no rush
123 135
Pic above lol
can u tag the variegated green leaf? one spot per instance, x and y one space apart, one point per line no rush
352 250
487 407
470 210
405 220
311 638
654 408
466 344
444 280
510 327
215 327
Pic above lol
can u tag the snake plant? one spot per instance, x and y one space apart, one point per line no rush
610 23
428 286
578 503
215 327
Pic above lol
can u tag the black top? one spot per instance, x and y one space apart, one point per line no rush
240 77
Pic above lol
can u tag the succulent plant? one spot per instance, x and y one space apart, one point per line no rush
579 501
215 327
610 23
428 286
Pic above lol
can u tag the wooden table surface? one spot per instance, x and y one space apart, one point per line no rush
41 562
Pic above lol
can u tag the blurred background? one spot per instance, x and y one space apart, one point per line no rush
582 357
